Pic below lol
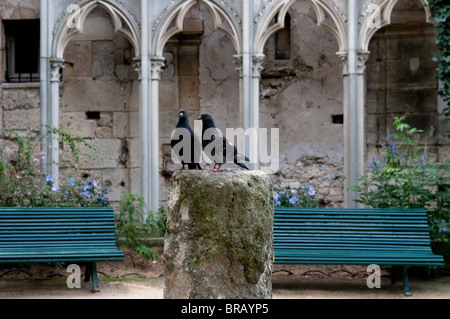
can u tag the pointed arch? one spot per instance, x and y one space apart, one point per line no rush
172 23
72 24
376 15
322 8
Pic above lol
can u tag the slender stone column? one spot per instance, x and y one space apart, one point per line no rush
238 62
44 77
257 61
153 121
354 107
55 78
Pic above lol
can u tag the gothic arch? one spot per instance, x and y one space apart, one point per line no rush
71 24
322 8
225 19
376 15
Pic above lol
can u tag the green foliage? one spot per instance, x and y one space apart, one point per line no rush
302 197
130 224
441 17
24 182
406 177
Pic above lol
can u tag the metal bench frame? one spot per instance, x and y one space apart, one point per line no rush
386 237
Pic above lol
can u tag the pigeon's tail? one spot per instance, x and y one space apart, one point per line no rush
243 166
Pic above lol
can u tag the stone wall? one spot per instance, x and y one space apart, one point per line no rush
301 93
20 102
100 101
401 80
302 96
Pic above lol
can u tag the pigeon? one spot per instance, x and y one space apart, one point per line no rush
215 141
192 145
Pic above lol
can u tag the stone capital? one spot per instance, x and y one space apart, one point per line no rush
138 67
157 64
238 61
343 55
362 57
55 66
257 61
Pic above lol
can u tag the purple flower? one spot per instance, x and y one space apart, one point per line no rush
293 200
86 194
49 179
311 191
277 199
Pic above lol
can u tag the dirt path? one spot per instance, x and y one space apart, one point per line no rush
118 282
283 288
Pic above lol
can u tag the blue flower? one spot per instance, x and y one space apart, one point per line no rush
311 191
94 183
293 200
86 194
71 182
276 197
87 186
49 179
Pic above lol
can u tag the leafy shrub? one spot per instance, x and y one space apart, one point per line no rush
130 224
407 177
24 182
301 197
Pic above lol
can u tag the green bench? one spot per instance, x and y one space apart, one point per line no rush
385 237
56 235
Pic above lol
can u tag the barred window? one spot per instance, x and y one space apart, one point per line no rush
22 50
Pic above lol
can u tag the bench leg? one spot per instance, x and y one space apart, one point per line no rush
406 283
91 270
87 275
393 275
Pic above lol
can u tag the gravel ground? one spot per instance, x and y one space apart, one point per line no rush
118 281
283 288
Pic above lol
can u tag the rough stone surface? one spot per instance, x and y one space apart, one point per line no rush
219 235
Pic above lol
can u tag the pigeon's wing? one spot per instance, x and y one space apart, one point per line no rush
215 149
232 154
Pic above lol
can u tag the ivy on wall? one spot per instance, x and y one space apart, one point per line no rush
441 16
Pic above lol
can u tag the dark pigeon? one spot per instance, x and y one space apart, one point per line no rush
215 141
195 149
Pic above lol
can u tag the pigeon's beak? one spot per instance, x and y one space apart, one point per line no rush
199 118
181 114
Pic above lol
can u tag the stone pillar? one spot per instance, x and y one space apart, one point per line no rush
219 235
257 62
55 78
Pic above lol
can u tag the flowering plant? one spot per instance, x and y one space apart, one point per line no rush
406 177
24 183
301 197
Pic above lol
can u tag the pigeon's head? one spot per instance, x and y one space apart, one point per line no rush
183 113
205 117
207 120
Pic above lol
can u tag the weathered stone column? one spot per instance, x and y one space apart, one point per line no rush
219 235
